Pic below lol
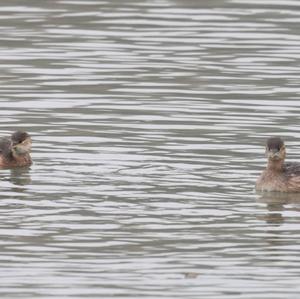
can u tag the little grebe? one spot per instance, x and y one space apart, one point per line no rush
278 176
15 150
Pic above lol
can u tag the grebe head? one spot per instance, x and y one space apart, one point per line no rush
275 149
21 143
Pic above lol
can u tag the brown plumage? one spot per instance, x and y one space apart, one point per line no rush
15 150
278 176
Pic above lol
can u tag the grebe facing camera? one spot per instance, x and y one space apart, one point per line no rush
278 176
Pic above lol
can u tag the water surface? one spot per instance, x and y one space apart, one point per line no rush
148 120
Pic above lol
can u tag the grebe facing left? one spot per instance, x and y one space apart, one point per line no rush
15 150
278 176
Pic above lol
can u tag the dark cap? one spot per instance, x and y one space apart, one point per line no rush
19 136
275 143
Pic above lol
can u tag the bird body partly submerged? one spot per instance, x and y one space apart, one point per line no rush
15 150
278 176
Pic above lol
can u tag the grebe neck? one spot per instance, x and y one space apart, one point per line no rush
275 165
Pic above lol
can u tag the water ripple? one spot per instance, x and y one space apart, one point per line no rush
148 122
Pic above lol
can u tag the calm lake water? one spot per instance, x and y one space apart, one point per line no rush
148 121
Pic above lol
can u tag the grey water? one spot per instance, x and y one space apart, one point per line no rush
148 121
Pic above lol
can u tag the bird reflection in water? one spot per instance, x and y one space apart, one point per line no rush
20 176
277 203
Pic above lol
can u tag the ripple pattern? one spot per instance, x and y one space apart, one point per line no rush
149 120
